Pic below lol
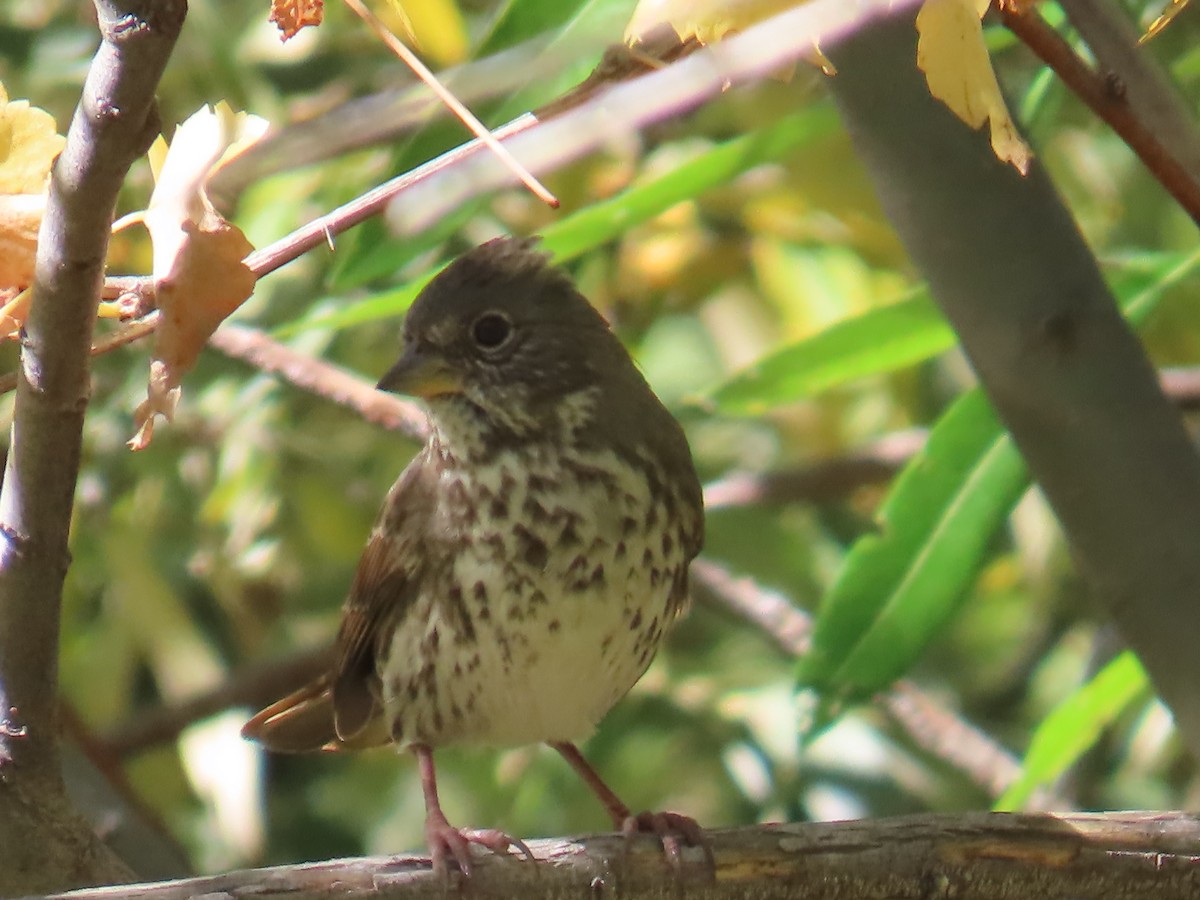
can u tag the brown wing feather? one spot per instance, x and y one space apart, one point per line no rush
385 585
300 722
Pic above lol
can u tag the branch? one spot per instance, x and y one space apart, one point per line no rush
41 845
928 723
1008 267
323 379
254 685
1113 39
1108 97
976 856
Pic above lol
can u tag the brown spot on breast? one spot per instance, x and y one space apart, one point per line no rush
498 508
553 626
533 549
635 621
628 523
668 544
570 535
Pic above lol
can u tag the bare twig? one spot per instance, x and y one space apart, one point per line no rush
455 105
322 378
928 723
976 856
42 845
1108 98
826 481
255 685
1113 38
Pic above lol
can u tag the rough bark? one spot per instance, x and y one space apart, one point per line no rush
978 856
43 843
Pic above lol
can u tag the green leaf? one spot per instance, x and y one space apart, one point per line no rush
1074 726
602 222
881 340
897 587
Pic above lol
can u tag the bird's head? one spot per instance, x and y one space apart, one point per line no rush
502 336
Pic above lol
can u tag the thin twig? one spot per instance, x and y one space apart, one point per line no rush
1113 37
254 685
930 724
262 262
465 115
321 378
1106 96
826 481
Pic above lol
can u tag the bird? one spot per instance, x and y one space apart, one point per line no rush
528 562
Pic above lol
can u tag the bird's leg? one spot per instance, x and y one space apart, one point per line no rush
442 837
669 826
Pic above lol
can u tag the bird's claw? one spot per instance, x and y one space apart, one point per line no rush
445 840
674 830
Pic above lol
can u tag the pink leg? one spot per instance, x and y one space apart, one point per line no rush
443 838
669 826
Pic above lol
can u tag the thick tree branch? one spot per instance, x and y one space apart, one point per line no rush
1010 270
40 843
978 856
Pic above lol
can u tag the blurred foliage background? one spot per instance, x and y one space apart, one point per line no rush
230 542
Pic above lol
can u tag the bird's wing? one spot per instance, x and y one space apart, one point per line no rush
386 583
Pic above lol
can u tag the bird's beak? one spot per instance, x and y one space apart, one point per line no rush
421 375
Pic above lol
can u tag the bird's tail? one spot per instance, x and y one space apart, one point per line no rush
299 723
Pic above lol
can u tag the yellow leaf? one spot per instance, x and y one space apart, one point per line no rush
20 218
29 145
1165 18
958 70
199 273
436 28
706 20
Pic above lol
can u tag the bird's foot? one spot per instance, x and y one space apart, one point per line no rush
675 830
445 841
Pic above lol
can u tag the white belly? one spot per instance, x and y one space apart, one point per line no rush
563 617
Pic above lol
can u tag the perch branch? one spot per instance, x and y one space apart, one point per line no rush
976 856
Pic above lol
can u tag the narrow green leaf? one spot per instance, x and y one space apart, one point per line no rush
1074 726
898 586
881 340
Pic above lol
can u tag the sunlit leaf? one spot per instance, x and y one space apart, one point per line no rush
898 586
952 54
879 341
1074 726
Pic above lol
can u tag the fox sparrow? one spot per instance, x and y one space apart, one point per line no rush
527 563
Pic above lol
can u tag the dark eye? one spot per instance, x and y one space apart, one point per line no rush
491 330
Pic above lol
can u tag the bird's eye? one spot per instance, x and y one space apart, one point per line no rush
491 330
